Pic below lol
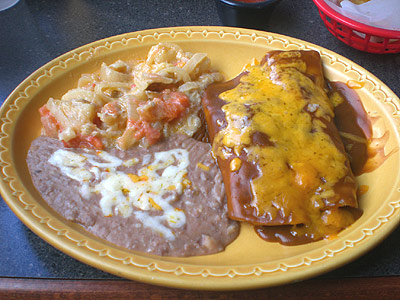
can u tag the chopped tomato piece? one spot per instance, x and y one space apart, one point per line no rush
85 141
174 105
169 107
144 129
49 122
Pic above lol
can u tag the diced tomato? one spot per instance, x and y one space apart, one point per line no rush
169 107
175 103
85 141
49 122
144 129
176 97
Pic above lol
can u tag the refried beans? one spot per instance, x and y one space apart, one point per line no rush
189 218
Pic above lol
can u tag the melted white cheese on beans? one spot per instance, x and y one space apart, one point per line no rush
155 186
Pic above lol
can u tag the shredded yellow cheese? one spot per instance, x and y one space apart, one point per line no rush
154 204
235 164
204 167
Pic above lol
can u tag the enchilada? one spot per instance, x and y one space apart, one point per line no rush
283 162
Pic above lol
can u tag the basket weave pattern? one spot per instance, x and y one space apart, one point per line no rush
357 35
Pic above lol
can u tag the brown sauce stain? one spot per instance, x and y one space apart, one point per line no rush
376 153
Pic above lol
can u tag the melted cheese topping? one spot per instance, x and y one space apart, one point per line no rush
153 188
285 106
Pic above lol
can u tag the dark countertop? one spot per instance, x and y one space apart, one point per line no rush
34 32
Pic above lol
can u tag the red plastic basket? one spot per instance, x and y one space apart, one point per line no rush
358 35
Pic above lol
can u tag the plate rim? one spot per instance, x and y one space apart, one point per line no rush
202 279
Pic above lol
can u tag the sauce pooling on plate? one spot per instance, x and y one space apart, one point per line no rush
354 125
366 151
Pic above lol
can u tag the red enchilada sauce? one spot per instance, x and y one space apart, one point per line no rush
295 198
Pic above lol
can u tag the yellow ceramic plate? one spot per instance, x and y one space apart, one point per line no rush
248 262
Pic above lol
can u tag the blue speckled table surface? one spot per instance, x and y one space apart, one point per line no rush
34 32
